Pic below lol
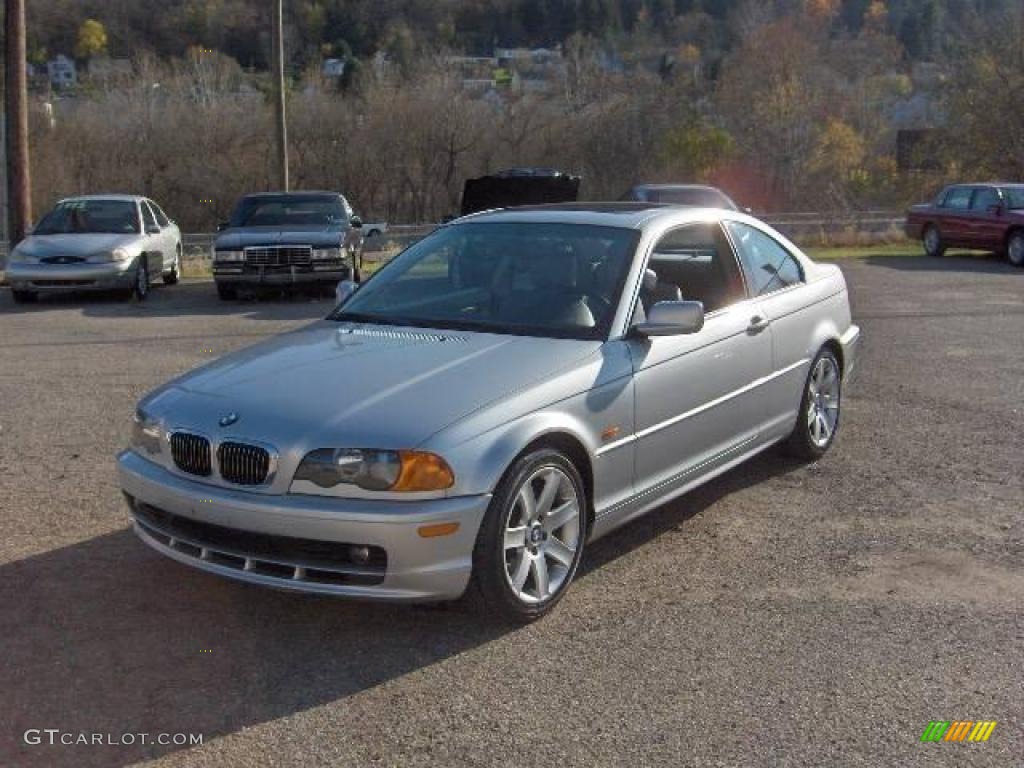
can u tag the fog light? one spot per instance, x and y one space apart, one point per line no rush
359 555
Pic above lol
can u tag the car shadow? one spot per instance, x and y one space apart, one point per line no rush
955 262
189 297
107 637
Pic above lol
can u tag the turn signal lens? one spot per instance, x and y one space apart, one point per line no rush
423 472
437 530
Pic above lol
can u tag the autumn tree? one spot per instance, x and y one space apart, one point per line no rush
92 39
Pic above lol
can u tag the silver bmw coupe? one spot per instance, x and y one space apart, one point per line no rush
508 389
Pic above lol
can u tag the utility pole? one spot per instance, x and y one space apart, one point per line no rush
280 117
19 186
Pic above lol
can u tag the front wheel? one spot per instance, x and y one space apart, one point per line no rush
933 241
141 287
24 297
531 540
818 419
171 277
226 292
1015 249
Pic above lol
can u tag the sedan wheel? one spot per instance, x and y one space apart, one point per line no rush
818 421
141 288
531 540
1015 249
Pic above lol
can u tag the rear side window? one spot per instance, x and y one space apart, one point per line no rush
958 199
767 265
161 217
984 198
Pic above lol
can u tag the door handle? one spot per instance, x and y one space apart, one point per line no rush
758 324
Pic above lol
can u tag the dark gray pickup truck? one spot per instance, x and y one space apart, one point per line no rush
301 240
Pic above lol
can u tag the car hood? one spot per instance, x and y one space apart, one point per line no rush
371 386
242 237
43 246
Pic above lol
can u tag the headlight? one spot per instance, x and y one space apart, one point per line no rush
375 470
229 256
106 257
20 257
145 438
327 253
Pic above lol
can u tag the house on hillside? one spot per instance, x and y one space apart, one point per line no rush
62 72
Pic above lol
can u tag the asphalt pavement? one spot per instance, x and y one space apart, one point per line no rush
784 614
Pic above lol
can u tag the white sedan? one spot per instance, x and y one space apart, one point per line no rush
108 242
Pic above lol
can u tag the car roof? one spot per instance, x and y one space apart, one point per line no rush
706 187
294 193
626 215
118 197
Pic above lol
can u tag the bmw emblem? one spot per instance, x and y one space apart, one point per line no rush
228 419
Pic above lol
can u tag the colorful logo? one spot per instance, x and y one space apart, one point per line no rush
958 730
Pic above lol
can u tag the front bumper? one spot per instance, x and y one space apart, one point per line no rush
417 568
850 342
277 276
24 276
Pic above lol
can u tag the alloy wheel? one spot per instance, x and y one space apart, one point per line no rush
542 534
823 401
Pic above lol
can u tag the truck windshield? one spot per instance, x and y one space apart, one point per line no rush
289 210
87 217
527 278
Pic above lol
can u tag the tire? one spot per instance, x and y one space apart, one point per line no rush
24 297
140 289
521 583
172 277
1015 248
226 292
818 420
933 245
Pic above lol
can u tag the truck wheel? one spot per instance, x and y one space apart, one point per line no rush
1015 248
933 245
227 292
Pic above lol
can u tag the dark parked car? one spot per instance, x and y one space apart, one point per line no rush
519 186
690 195
288 240
987 217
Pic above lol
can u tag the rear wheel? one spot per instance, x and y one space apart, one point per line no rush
531 540
24 297
818 419
933 245
227 292
1015 248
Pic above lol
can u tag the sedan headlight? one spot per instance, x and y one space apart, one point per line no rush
18 256
145 437
376 470
107 257
327 253
229 256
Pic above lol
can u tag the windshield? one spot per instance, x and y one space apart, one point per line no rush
697 198
536 279
1014 197
289 211
119 217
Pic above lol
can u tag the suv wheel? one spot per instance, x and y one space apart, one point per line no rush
933 241
1015 248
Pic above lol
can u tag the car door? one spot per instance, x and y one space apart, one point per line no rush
954 219
776 279
166 240
697 395
986 225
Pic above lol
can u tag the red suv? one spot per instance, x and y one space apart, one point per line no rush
988 217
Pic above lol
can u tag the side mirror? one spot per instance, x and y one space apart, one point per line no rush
356 222
996 210
672 318
345 289
221 226
152 229
748 210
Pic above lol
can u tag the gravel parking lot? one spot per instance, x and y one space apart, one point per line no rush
782 615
